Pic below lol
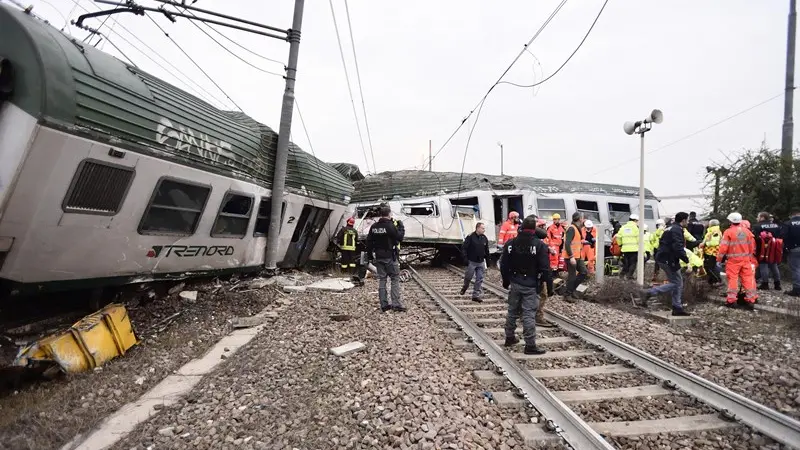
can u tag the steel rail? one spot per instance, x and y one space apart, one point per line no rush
568 425
777 426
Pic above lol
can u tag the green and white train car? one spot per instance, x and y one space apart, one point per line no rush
109 175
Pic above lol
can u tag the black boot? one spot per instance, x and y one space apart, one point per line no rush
644 295
463 291
534 350
749 306
777 285
679 312
510 342
763 286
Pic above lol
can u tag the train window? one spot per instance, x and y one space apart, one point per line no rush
468 202
176 208
97 188
420 209
262 220
549 206
648 212
589 209
233 217
619 211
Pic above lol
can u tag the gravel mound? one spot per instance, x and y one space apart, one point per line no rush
408 388
49 414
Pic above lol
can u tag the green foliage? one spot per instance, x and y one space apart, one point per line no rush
752 185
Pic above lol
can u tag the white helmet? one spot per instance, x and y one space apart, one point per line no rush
735 217
659 222
645 227
634 217
588 224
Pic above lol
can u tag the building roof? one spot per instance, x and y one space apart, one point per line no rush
83 91
420 183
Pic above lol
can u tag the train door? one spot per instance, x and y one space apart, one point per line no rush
505 204
310 224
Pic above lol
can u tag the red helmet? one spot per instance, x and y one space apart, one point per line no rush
351 221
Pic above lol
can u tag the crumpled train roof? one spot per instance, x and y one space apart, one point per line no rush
420 183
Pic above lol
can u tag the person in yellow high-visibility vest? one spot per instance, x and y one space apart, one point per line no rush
346 240
628 240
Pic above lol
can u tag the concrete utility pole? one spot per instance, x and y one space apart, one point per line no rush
718 172
788 125
285 128
430 156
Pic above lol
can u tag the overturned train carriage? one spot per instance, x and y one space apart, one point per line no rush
109 175
439 209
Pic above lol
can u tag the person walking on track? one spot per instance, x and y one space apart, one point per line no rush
573 253
671 251
524 258
382 246
738 247
476 253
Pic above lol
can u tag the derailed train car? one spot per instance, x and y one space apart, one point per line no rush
440 208
109 175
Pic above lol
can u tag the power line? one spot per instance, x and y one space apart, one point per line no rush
524 48
316 160
360 91
692 134
240 45
466 149
347 79
226 48
570 56
193 62
182 80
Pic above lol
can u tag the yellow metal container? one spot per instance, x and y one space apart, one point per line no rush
89 343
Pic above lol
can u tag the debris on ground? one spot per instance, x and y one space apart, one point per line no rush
348 348
190 296
332 285
247 322
89 343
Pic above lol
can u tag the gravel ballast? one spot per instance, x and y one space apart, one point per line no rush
49 414
406 389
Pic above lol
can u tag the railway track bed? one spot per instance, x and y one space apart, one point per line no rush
604 397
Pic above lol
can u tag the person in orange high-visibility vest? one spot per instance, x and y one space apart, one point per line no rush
589 239
573 253
509 229
738 246
555 239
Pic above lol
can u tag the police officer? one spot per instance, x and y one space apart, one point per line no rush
383 243
524 259
346 240
791 244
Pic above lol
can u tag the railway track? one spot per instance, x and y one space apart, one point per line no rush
593 391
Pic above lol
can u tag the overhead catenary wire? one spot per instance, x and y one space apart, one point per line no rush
720 122
514 61
226 48
349 89
316 160
224 36
193 62
360 90
184 79
570 56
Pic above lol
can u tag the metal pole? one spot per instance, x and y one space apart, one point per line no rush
600 246
282 155
716 194
430 156
788 126
640 256
501 159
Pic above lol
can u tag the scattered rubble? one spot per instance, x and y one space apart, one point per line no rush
190 296
346 349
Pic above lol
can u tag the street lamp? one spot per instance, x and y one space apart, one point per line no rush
501 156
641 127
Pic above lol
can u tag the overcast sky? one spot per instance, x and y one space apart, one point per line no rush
425 64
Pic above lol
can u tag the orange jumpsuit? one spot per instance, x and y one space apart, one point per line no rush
555 239
588 250
508 231
739 245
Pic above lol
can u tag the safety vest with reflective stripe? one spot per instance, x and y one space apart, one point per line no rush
555 234
737 243
655 239
648 243
712 240
576 245
349 239
588 252
694 260
628 237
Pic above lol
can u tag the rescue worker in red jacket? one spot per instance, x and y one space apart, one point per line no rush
589 240
555 239
769 250
737 247
509 229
